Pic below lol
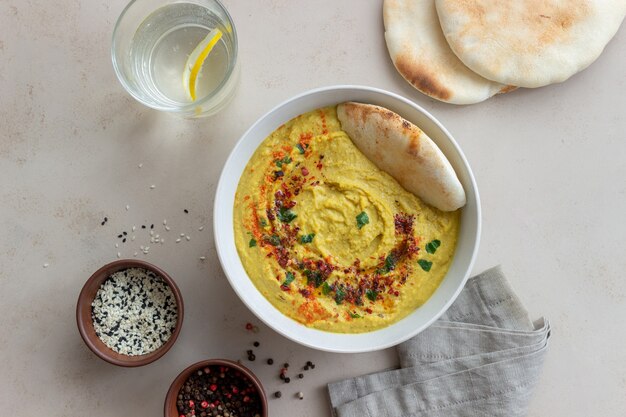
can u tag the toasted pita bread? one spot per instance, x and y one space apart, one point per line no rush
401 149
529 43
422 56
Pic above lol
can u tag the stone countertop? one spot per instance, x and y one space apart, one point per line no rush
549 165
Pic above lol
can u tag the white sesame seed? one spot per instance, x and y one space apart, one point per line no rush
127 207
201 228
46 265
167 228
141 247
147 248
151 232
119 255
117 245
162 241
157 236
151 240
152 187
134 228
135 254
132 237
164 222
182 235
188 238
202 258
140 165
177 240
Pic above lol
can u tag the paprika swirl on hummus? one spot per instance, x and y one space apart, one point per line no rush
329 239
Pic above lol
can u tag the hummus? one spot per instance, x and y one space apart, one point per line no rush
331 240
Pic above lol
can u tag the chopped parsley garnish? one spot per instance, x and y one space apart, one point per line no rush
426 265
371 294
431 247
362 219
274 240
300 148
340 294
252 243
325 288
280 162
390 265
355 315
262 222
286 215
307 238
289 277
313 277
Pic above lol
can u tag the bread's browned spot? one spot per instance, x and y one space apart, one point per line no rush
507 89
421 77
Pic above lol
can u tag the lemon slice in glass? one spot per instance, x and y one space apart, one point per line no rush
196 59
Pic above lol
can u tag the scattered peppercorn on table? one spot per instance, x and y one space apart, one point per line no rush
90 175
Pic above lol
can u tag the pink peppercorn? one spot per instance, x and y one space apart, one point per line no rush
191 404
204 404
213 387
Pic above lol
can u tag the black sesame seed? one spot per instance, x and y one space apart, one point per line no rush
186 211
151 226
306 367
251 357
106 219
285 365
124 233
124 240
249 352
143 226
313 366
120 236
309 363
270 361
256 344
282 376
300 376
278 394
102 224
287 380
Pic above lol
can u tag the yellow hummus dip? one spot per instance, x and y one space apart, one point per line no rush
328 238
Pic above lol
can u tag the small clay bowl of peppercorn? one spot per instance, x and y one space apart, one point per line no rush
129 313
216 387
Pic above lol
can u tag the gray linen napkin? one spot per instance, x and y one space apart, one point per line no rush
482 358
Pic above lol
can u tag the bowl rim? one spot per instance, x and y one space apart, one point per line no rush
85 323
222 251
172 392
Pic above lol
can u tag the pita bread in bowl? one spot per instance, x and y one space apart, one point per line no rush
422 56
529 43
401 149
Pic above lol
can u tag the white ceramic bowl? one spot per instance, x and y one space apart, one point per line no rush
469 234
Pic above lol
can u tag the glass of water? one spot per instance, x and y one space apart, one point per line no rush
157 44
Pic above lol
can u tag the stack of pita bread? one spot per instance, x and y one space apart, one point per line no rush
465 51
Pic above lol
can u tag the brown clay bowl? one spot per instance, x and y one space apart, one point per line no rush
170 409
85 323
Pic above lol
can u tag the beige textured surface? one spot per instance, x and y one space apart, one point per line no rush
549 165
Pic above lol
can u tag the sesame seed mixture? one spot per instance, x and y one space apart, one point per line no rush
134 312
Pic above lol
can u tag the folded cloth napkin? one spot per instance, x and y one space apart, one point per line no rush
482 358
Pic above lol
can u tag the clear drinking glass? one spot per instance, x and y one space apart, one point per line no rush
152 42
